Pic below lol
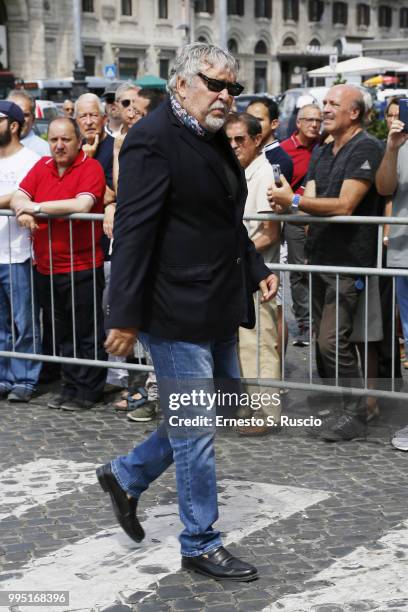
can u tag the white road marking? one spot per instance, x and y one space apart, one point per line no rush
108 566
376 575
31 484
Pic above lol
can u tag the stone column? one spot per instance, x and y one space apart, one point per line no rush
36 31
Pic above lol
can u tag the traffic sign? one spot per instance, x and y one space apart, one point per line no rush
109 71
333 61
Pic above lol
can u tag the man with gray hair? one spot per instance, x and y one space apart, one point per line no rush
28 137
340 181
183 274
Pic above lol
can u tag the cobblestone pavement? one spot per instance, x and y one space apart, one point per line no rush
326 524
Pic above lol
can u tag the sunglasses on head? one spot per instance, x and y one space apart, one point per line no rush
234 89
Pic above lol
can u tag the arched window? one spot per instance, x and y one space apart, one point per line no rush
314 43
202 39
261 48
289 42
363 15
232 46
384 16
315 10
263 8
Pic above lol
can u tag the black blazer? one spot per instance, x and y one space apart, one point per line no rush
183 267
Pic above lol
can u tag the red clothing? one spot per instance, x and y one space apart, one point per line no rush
43 184
301 158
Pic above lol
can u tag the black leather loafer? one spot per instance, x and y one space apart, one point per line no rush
220 565
123 507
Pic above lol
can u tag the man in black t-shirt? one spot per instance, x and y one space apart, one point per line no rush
341 181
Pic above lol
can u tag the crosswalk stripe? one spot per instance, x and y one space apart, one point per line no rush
107 566
375 577
35 483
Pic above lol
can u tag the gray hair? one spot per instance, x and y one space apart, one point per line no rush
22 94
125 87
367 97
89 97
193 58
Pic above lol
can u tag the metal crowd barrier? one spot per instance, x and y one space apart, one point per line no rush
309 383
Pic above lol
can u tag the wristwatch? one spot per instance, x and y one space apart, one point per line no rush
37 209
295 202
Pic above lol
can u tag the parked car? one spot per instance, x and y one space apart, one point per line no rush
242 101
46 109
288 104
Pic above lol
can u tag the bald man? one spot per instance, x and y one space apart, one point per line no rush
340 181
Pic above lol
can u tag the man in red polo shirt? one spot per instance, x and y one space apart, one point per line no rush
68 182
300 147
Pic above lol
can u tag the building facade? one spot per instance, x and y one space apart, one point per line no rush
276 41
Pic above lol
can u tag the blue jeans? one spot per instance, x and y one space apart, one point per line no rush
401 286
18 373
182 367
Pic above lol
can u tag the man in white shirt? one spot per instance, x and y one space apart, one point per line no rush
244 132
28 137
19 325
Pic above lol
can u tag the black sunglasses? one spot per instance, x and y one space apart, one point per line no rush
126 103
234 89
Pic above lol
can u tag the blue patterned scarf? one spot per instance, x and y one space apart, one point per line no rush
189 121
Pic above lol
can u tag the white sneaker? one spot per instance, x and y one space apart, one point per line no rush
400 439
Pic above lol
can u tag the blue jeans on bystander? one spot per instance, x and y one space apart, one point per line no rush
17 309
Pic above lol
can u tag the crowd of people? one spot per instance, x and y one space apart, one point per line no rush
340 170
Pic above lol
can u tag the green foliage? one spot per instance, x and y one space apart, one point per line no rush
377 127
339 80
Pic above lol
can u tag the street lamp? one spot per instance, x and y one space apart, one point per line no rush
79 73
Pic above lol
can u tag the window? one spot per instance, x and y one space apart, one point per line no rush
404 18
163 9
127 8
314 43
340 13
87 6
263 8
290 10
204 6
316 8
235 7
164 65
260 77
128 67
232 46
89 65
384 16
202 39
363 15
289 42
261 48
